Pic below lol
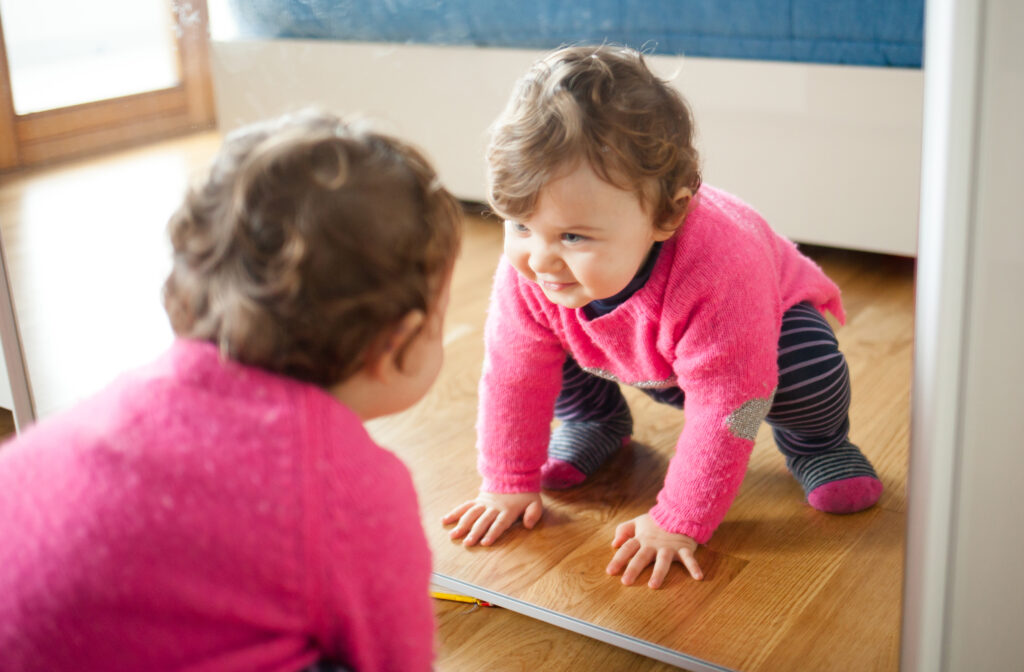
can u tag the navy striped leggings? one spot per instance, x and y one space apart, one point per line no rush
810 412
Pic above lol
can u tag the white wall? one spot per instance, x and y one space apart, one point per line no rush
964 600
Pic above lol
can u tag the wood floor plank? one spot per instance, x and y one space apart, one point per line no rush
750 619
866 586
499 640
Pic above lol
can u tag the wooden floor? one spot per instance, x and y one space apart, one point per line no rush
6 423
787 587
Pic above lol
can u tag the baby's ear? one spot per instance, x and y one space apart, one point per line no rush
682 198
667 229
385 355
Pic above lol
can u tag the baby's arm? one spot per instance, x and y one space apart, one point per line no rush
521 378
486 518
729 375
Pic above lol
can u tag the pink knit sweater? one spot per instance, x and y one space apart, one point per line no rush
203 515
707 321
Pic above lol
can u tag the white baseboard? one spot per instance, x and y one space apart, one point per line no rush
828 154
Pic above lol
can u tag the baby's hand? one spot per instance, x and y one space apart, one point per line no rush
488 516
641 541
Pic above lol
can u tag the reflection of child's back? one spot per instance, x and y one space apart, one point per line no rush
621 267
219 508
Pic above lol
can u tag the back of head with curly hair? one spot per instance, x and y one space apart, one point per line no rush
306 242
601 105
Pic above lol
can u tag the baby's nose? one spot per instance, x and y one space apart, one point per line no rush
544 260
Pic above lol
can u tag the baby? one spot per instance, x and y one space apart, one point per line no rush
621 267
224 508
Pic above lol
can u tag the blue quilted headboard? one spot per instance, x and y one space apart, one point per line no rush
854 32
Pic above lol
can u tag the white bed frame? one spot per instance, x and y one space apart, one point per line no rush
829 154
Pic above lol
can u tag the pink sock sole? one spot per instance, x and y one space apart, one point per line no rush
559 475
846 496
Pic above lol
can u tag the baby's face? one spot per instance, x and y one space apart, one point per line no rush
585 240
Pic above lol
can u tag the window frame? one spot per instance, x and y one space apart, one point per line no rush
63 133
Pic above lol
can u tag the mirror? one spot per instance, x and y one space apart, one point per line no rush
87 257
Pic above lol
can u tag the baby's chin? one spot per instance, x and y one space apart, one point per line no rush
574 299
560 299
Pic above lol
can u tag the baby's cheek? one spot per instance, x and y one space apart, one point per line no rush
518 259
510 249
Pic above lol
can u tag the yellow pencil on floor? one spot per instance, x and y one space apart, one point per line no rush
459 598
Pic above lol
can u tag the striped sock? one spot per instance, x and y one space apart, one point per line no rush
840 480
579 447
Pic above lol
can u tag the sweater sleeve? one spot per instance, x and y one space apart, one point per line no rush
726 364
521 378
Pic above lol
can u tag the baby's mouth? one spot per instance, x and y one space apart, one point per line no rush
554 286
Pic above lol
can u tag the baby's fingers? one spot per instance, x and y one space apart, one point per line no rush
467 520
498 527
643 557
480 527
532 514
623 532
457 512
662 564
622 556
689 561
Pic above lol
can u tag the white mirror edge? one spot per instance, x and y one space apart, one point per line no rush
14 353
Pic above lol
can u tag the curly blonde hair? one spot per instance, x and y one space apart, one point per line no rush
308 239
602 105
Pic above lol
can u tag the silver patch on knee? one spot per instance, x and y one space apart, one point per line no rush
745 420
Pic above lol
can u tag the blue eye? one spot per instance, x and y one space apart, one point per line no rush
517 226
572 238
